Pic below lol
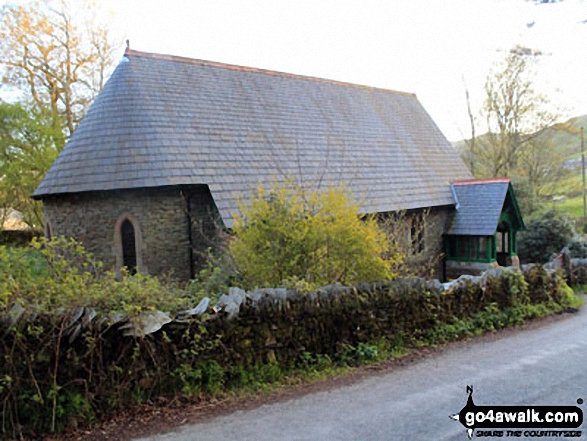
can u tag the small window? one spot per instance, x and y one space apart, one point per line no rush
469 248
452 246
473 248
462 247
482 248
48 230
129 248
502 244
417 226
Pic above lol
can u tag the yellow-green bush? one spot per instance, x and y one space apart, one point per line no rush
290 233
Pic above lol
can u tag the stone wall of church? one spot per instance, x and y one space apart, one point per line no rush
429 262
159 217
166 240
420 236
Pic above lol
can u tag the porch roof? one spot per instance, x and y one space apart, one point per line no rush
479 206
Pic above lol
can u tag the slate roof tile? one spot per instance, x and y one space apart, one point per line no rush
164 120
480 204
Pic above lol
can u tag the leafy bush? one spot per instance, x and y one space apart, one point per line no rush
544 236
57 273
315 236
363 352
215 278
29 145
578 247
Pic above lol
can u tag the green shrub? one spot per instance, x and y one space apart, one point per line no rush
315 236
215 278
59 273
363 352
545 236
255 377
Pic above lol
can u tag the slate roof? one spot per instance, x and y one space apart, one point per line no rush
479 205
164 120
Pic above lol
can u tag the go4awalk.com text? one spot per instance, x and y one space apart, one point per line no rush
520 421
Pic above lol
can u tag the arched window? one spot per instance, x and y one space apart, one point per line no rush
48 230
129 246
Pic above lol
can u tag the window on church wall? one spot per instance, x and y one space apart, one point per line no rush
462 247
473 248
129 247
48 230
469 248
417 233
482 247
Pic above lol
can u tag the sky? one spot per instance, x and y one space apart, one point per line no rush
428 47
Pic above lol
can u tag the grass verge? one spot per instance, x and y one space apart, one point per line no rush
316 367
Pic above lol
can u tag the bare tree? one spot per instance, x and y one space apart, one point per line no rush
58 58
470 143
514 112
409 235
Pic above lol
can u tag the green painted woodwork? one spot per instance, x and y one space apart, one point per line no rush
470 248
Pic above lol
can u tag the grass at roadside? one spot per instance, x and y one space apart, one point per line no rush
580 289
268 378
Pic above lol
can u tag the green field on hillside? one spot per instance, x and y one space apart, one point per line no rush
567 139
570 186
571 206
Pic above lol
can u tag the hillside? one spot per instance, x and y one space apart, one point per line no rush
565 137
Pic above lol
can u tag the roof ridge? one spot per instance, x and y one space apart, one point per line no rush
483 181
175 58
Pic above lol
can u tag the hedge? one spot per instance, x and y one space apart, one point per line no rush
71 368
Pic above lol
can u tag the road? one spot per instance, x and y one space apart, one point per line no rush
541 366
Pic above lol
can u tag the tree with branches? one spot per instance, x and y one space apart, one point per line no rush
515 113
517 119
27 149
57 56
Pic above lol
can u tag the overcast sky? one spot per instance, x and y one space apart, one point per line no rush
426 47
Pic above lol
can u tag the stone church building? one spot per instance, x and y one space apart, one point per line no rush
172 146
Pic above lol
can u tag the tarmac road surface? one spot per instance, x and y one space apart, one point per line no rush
541 366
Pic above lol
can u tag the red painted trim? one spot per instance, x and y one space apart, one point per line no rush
483 181
134 53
